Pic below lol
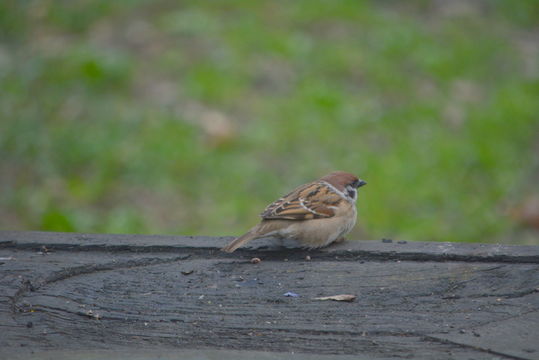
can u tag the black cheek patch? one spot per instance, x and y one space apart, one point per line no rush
351 193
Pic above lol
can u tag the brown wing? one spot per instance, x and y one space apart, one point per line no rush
309 201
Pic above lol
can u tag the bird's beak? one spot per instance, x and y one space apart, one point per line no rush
361 183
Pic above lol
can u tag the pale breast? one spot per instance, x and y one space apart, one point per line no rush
321 232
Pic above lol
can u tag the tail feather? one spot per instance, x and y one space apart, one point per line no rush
242 240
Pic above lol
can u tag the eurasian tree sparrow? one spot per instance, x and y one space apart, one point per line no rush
315 214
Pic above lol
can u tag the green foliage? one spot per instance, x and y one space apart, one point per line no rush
160 117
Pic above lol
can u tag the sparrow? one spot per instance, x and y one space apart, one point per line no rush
314 214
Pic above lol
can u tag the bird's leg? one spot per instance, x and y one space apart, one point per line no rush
340 240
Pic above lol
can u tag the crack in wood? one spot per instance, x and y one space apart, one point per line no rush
511 295
476 348
292 254
28 286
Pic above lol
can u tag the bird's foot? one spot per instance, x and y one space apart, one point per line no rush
340 240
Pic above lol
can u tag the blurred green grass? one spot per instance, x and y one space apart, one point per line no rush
189 118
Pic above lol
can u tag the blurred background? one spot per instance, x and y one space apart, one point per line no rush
189 117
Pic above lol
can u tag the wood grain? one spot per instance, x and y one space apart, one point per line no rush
414 300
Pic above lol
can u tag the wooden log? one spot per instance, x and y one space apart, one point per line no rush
83 295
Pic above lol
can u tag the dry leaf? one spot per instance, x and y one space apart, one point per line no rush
342 297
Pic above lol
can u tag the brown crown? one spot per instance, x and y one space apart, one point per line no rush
340 179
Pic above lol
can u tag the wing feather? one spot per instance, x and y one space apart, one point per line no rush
309 201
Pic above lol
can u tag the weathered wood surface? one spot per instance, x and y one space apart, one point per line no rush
80 293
